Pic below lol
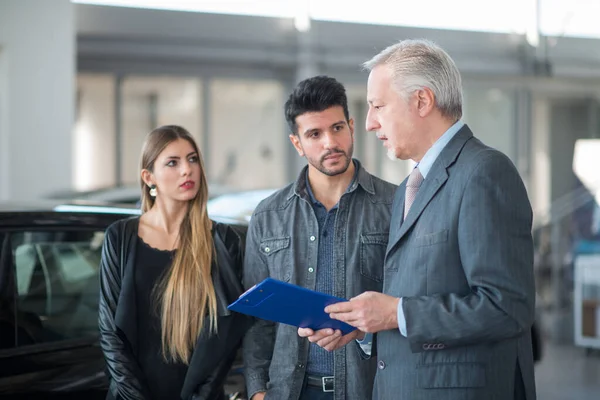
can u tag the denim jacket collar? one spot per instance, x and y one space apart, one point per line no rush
363 178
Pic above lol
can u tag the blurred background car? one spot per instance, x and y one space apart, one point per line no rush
237 205
49 290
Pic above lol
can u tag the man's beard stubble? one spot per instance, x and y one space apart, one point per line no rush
391 154
330 172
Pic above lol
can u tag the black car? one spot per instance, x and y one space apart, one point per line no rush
49 281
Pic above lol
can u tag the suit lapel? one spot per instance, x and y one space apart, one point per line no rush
428 189
396 220
436 178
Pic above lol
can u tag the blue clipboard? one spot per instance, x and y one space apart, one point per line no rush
285 303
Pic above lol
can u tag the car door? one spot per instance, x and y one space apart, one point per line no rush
48 321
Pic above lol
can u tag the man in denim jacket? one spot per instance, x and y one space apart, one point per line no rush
328 231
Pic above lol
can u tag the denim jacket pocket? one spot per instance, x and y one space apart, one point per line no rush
272 245
372 254
277 259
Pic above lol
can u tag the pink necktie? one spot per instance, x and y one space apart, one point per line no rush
412 187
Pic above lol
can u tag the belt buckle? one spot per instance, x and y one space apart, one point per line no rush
327 382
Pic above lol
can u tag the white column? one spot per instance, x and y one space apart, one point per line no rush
306 67
540 180
37 91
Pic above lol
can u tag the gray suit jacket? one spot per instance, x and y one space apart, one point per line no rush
463 263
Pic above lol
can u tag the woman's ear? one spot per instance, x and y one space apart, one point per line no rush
147 177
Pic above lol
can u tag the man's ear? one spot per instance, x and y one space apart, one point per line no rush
295 139
425 101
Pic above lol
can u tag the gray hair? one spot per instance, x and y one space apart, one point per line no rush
417 64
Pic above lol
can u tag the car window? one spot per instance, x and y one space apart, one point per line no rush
57 284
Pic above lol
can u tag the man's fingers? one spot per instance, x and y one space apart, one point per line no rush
349 318
325 335
343 307
318 335
341 341
334 345
329 340
305 332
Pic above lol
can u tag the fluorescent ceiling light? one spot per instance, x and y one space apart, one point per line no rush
558 17
266 8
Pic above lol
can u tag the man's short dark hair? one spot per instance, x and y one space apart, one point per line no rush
314 95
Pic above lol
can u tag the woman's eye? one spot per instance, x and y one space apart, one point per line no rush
171 163
193 159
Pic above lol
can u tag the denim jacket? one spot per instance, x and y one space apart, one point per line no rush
282 243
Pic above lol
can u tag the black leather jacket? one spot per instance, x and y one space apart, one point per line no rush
213 354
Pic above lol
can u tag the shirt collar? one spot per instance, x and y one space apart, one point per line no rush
432 154
348 189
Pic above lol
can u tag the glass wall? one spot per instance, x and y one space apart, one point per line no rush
490 113
248 137
152 101
246 146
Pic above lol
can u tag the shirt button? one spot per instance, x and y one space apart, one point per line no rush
381 364
312 238
267 249
311 269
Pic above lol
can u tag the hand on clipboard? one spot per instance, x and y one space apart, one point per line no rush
285 303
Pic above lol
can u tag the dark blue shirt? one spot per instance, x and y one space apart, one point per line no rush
320 361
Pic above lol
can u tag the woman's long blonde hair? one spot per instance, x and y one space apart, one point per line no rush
185 293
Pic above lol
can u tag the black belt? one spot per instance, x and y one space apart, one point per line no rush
323 382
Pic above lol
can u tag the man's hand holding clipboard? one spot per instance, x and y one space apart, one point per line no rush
285 303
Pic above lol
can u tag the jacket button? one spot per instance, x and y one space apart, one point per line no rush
267 249
311 269
381 364
312 238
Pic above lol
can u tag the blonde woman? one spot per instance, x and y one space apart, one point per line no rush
166 279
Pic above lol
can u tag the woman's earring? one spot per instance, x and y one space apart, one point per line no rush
153 190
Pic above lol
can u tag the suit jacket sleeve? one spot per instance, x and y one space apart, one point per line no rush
496 252
122 367
259 341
